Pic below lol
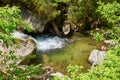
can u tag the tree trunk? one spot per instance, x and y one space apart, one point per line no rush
56 29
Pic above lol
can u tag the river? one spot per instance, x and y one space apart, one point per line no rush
61 52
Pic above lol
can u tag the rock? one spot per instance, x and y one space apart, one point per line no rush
27 46
96 57
104 48
38 22
104 45
21 35
59 75
63 31
47 71
66 29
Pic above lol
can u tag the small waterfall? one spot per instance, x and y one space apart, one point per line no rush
20 35
44 42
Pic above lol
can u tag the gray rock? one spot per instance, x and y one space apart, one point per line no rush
27 46
38 22
96 57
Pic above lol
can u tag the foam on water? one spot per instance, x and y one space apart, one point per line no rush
45 43
20 35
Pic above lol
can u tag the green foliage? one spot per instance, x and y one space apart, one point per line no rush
21 73
74 71
26 73
46 7
98 36
113 34
108 70
9 19
25 26
49 8
76 10
7 39
109 13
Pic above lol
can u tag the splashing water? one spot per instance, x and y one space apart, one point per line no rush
45 43
20 35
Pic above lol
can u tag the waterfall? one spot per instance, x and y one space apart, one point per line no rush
44 42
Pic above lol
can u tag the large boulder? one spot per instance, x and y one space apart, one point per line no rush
38 22
36 19
22 51
96 56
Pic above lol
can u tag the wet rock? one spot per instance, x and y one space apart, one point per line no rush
21 35
96 56
25 48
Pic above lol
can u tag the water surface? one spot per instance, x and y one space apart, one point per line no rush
76 52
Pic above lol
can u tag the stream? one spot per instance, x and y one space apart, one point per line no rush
61 52
45 43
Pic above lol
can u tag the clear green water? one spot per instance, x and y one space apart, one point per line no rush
75 53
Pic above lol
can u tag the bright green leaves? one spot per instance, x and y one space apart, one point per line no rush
7 39
74 71
24 73
109 70
110 13
9 19
98 36
26 26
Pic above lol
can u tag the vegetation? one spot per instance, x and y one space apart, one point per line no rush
10 20
83 14
109 69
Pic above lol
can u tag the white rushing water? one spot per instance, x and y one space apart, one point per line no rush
44 42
